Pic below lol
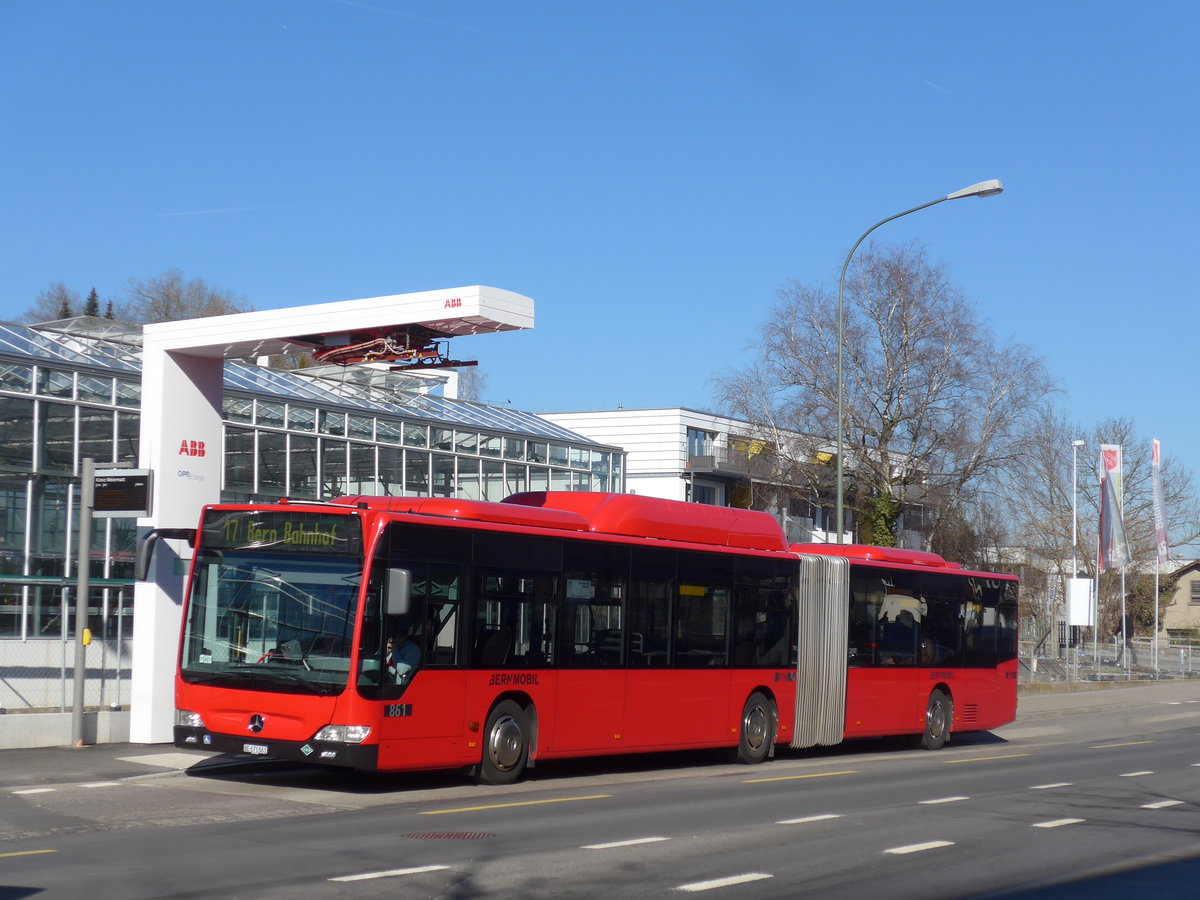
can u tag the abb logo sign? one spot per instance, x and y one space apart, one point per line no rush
191 448
453 303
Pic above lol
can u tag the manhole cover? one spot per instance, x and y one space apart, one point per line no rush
448 835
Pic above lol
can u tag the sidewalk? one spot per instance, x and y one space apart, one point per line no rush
112 762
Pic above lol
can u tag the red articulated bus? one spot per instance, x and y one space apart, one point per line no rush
429 633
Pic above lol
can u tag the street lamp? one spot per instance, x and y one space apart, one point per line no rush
983 189
1075 445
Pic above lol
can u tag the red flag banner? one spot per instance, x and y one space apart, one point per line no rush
1114 551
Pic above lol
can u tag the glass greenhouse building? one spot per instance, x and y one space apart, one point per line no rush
72 389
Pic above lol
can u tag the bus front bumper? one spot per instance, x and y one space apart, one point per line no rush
328 753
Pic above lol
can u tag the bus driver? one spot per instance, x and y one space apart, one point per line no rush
402 656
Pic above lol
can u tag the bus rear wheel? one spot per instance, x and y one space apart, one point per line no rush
757 731
505 744
938 716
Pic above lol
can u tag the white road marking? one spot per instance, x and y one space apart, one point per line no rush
1055 823
942 800
917 848
697 886
807 819
1046 787
36 791
96 784
415 870
613 844
1133 774
1161 804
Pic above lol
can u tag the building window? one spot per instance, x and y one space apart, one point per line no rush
1195 598
699 442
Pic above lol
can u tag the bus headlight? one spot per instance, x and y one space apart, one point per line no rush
343 734
188 719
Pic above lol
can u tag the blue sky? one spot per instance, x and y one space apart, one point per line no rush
650 173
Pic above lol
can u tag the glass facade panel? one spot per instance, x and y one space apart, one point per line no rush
96 434
560 480
268 413
13 512
128 435
537 451
493 480
129 393
302 466
489 445
333 469
16 423
388 431
466 442
362 470
515 477
514 448
16 377
539 478
55 384
416 473
443 475
12 610
468 479
559 455
94 389
301 418
238 409
362 427
580 458
331 422
442 438
416 435
57 427
600 480
239 459
272 462
391 471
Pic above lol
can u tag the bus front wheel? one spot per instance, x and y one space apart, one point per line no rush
505 744
756 733
938 716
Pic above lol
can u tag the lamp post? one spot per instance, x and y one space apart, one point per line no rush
983 189
1075 445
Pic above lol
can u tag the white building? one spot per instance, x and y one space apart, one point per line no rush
683 454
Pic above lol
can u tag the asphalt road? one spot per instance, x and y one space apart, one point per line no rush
1102 803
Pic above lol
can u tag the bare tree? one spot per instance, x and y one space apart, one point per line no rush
168 298
55 301
934 406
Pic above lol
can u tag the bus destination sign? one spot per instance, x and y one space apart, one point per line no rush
282 532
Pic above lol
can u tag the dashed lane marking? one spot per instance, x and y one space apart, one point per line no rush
98 784
1046 787
390 873
1056 823
25 853
799 777
942 800
612 845
1161 804
439 812
697 886
807 819
974 759
918 848
1126 744
1133 774
36 791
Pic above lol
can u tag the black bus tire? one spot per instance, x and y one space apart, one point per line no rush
505 744
756 730
938 716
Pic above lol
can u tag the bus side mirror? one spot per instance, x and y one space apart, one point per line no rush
398 592
145 548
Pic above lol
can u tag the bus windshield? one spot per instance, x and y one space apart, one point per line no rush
271 614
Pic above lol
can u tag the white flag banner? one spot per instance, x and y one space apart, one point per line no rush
1161 542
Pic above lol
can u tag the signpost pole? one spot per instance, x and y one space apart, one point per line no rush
87 474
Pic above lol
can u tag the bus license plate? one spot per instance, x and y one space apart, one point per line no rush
255 749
